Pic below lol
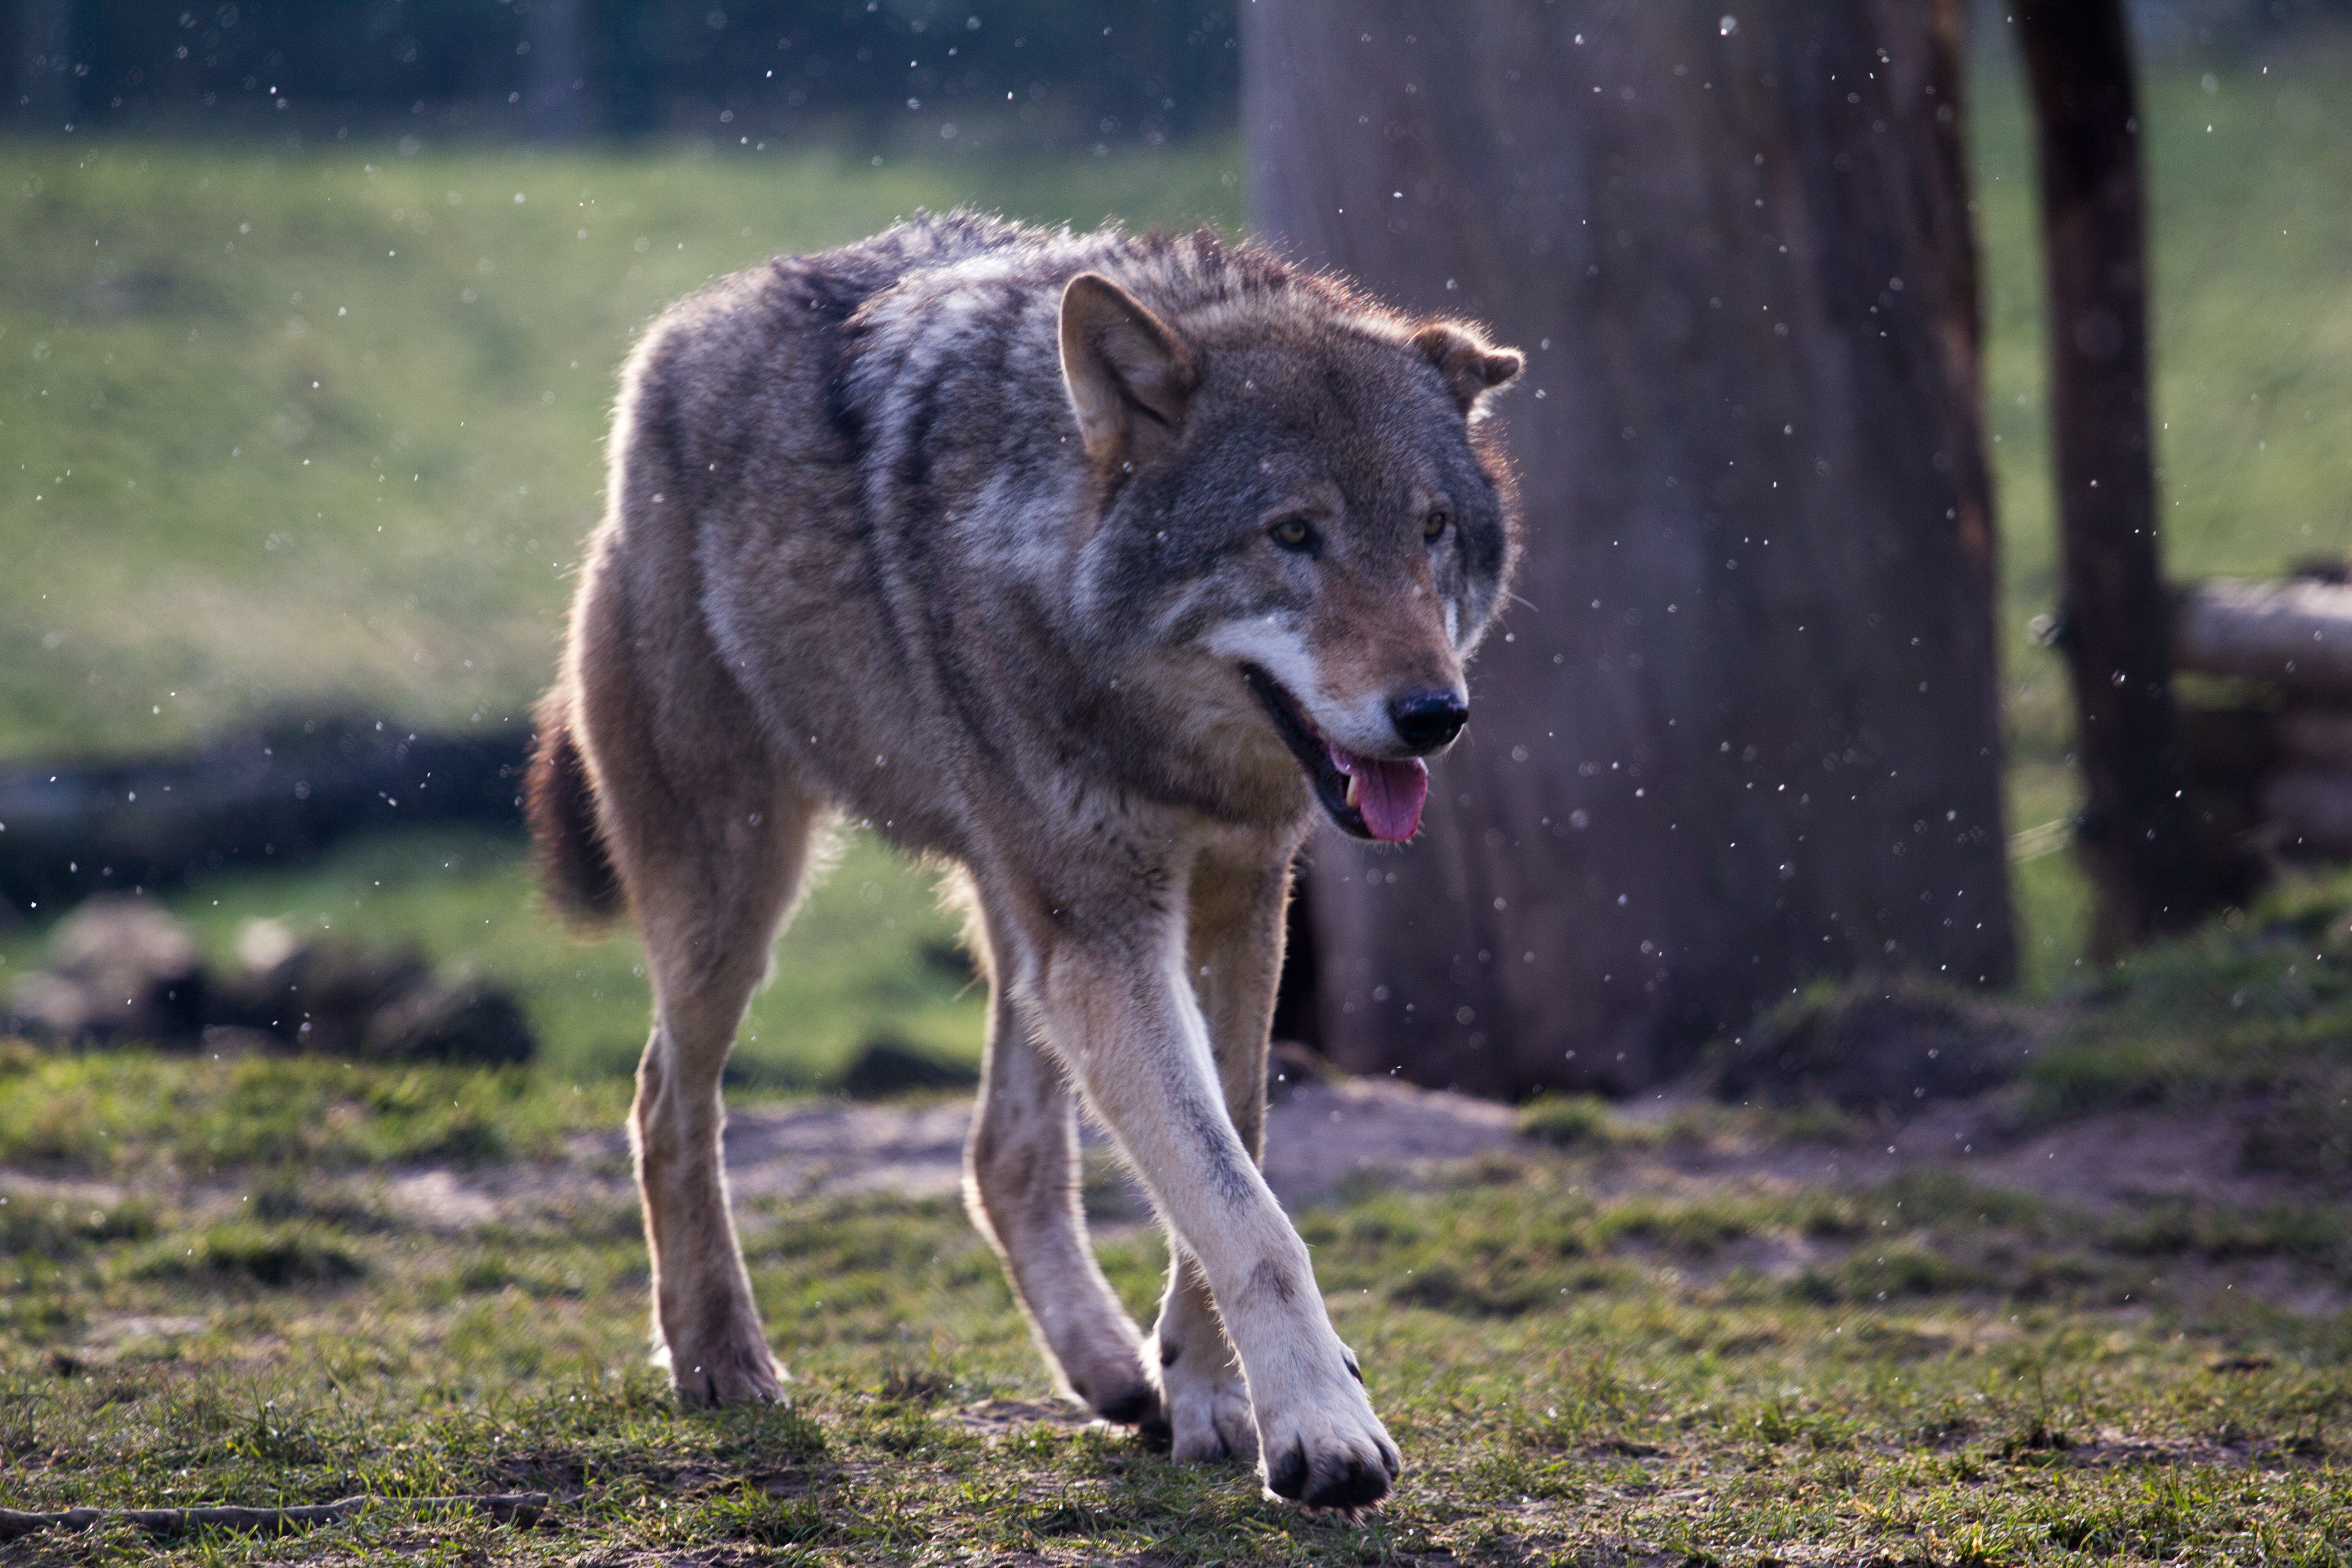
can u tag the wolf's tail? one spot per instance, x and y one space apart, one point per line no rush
560 805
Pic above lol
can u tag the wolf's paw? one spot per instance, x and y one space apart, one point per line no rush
738 1370
1133 1403
1208 1403
1108 1375
1328 1449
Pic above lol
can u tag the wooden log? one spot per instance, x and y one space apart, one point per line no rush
519 1509
2311 808
2296 634
2230 747
268 795
2317 736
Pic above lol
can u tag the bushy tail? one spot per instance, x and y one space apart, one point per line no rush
559 806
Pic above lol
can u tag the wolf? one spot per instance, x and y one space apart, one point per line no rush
1092 565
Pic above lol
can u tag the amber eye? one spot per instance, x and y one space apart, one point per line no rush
1293 534
1434 524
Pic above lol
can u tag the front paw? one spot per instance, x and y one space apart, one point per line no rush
1208 1403
734 1370
1325 1448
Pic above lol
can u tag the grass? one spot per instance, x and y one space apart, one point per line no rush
213 1289
2255 1009
1926 1370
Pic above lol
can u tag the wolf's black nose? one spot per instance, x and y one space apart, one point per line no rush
1427 720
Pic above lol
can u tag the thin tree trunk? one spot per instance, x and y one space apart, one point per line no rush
558 101
2139 832
1741 731
45 97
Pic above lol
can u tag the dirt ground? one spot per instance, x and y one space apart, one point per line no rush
1327 1133
1322 1134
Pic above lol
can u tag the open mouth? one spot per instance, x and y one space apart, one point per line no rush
1378 799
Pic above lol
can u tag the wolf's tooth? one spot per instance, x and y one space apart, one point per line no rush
1355 787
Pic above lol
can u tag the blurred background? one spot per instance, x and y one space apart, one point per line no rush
312 315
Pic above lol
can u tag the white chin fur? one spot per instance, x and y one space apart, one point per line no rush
1274 646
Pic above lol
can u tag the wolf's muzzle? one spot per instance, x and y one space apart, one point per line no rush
1427 720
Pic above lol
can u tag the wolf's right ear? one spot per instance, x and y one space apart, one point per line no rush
1128 377
1472 366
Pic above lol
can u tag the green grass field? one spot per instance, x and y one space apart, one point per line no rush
298 429
1580 1369
324 428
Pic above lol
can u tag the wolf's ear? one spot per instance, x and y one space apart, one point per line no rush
1128 377
1471 365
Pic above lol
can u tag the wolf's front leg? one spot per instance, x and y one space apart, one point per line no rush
1120 1010
1233 964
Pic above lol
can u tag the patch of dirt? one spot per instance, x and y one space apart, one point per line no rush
995 1417
1326 1133
1317 1136
2097 1163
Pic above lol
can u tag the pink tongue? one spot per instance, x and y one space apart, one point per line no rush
1389 794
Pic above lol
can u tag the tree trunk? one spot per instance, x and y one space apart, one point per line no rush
46 98
1741 729
558 89
2138 833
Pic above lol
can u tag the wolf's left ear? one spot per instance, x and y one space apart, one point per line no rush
1128 376
1471 365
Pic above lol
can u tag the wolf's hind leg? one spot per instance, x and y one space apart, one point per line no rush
1021 1186
708 883
1201 1382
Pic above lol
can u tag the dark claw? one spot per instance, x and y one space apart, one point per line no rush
1287 1476
1354 1485
1354 1370
1225 1451
1133 1405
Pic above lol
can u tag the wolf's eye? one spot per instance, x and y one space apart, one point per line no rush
1293 534
1434 524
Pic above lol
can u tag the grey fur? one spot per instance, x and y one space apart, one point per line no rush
965 530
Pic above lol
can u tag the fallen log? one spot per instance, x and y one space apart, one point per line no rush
521 1509
2311 810
2231 747
2317 736
249 799
2296 634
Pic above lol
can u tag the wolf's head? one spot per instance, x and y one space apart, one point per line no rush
1297 497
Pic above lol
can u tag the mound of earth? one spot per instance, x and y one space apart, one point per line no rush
1878 1049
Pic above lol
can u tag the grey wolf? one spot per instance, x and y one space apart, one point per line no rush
1092 565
